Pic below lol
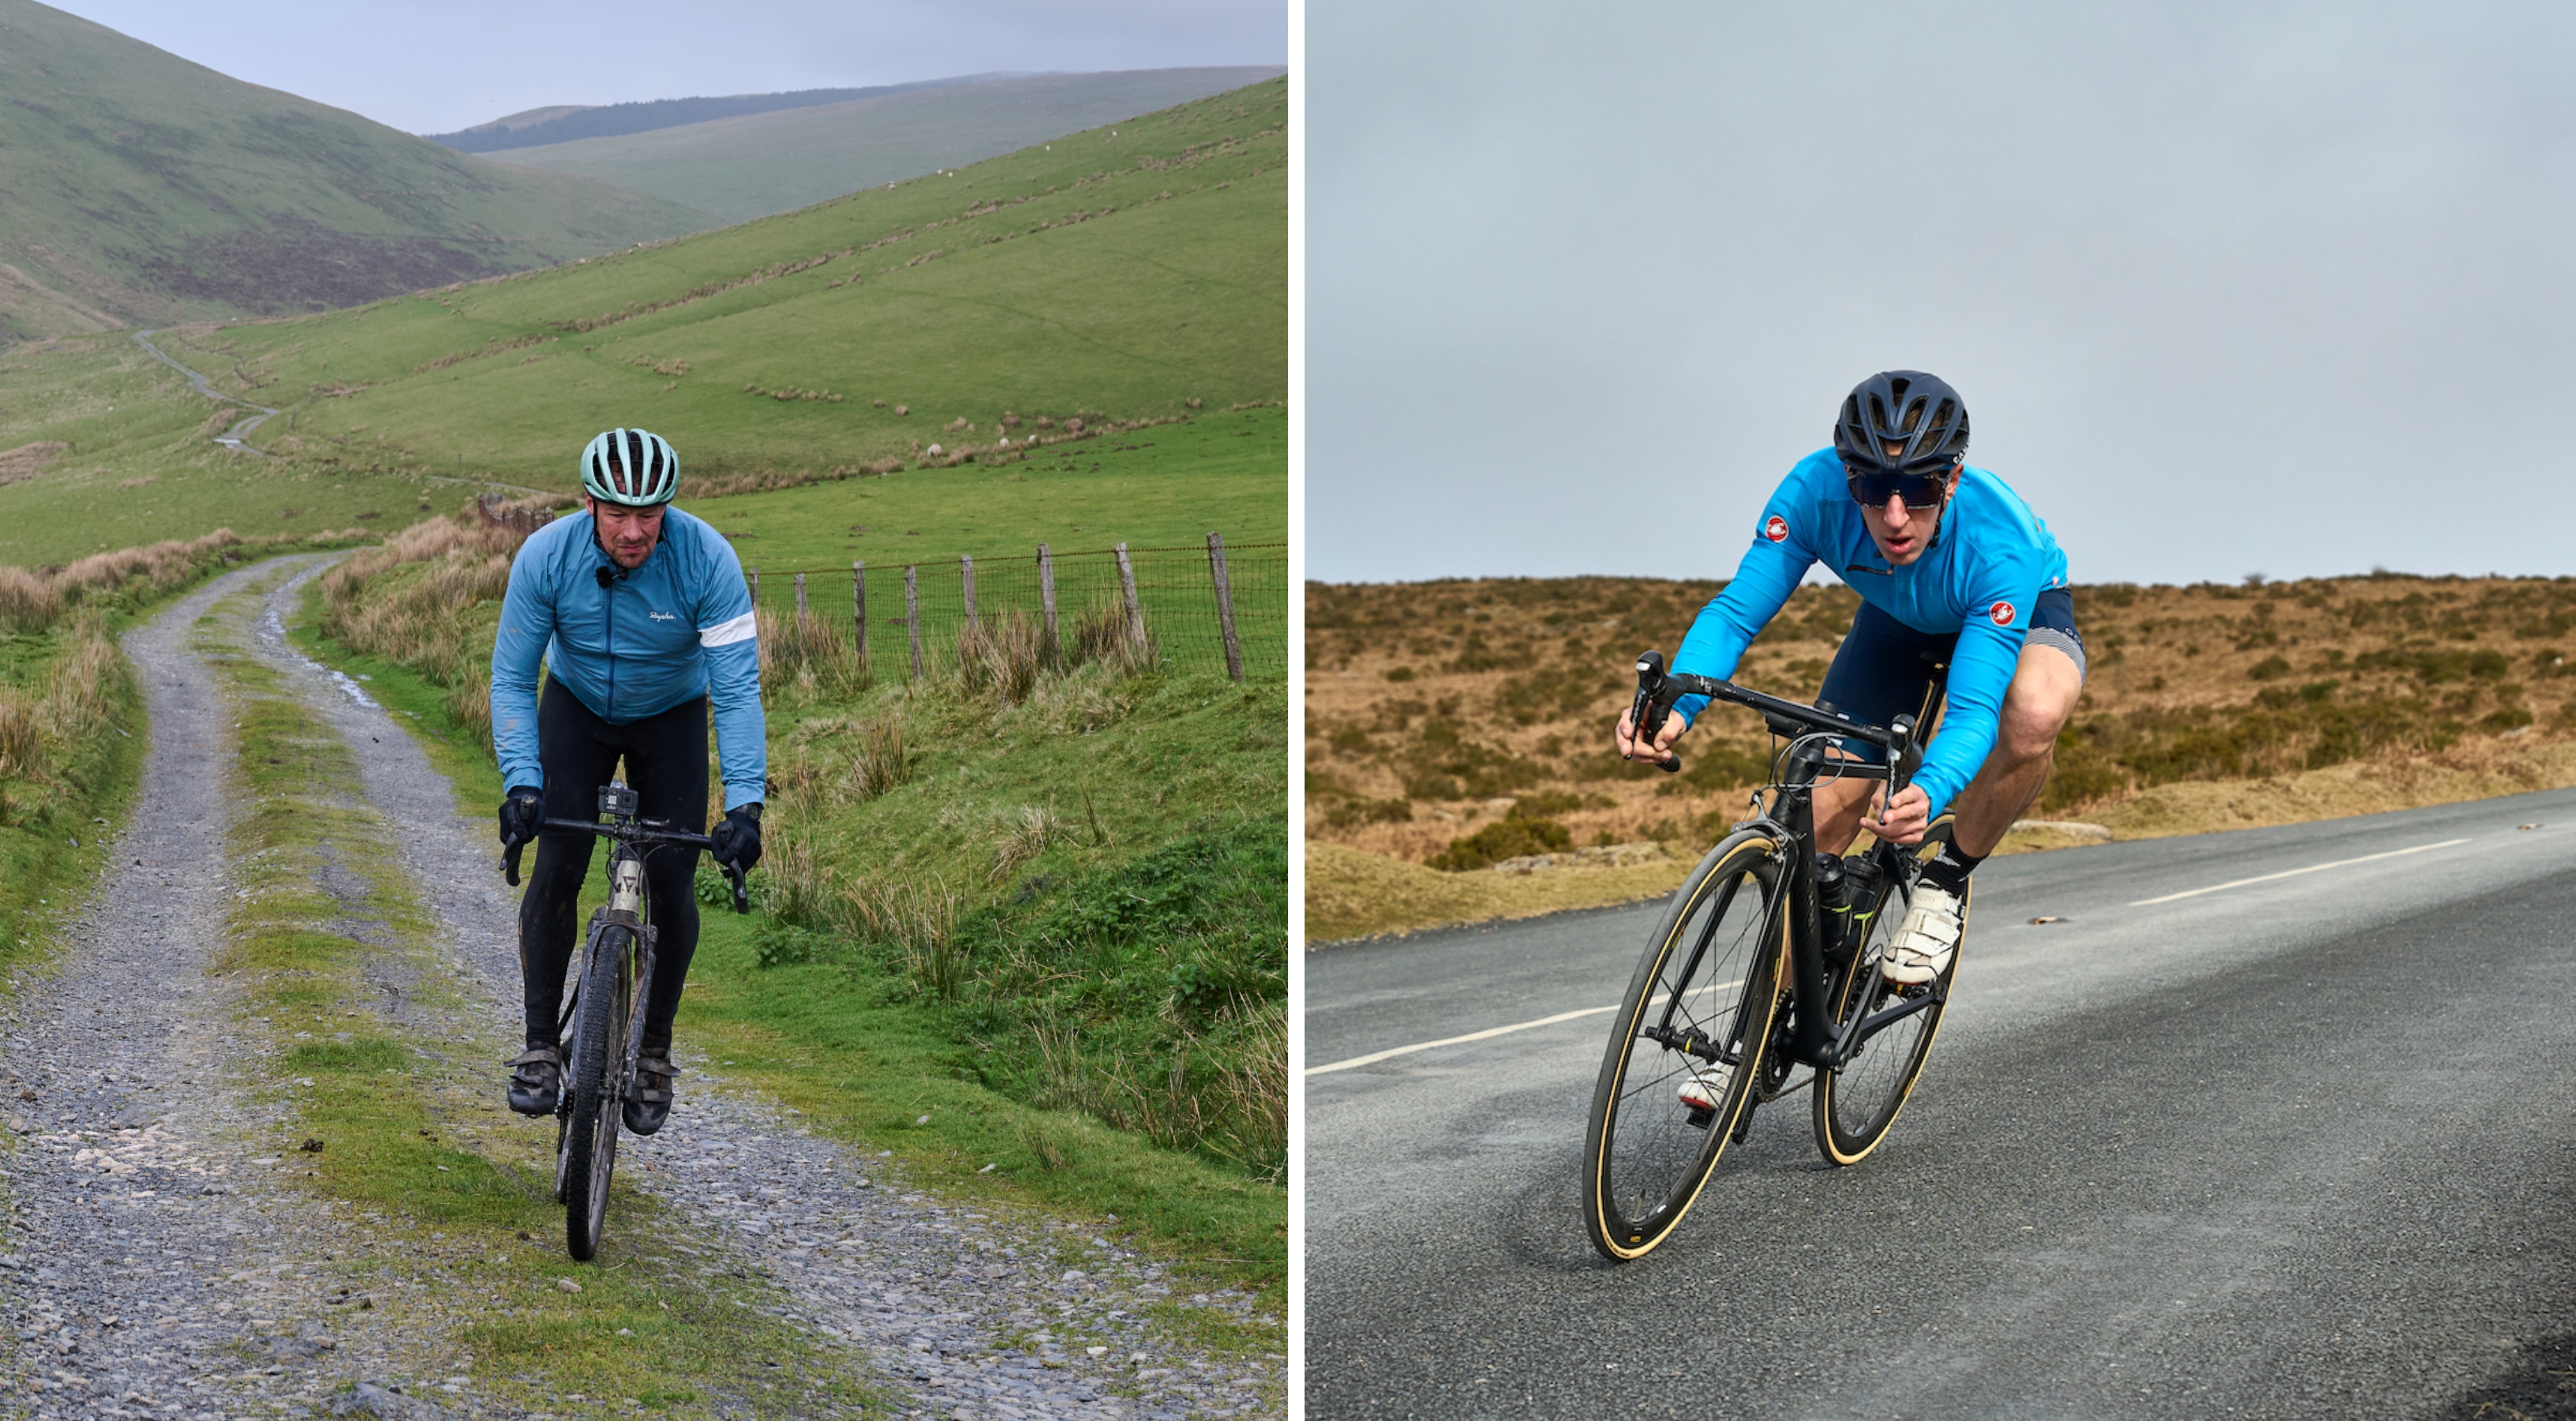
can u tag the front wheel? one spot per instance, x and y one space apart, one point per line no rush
1686 1049
1857 1102
590 1134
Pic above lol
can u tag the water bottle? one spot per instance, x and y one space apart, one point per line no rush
1860 899
1833 908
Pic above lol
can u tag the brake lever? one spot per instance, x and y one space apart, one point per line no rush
1646 713
510 862
741 893
1904 757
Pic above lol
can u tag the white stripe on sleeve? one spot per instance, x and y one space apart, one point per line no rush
742 628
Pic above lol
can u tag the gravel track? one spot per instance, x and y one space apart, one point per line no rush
153 1265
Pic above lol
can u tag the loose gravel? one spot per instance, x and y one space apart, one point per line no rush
157 1266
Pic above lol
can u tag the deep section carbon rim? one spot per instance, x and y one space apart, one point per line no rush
1684 1050
1856 1104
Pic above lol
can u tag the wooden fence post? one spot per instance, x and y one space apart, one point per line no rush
966 575
800 598
1046 599
755 589
1225 607
912 613
1135 609
859 605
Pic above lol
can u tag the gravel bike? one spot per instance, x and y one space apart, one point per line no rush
1756 970
610 989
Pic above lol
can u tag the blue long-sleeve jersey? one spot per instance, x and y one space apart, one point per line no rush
676 628
1991 559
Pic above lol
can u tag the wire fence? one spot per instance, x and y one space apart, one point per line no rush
1216 607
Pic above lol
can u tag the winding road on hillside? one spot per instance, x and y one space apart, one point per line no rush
233 437
2275 1123
163 1256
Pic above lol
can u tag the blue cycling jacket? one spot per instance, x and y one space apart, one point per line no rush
1978 577
678 627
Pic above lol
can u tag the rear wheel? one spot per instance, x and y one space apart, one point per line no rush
1686 1049
1856 1103
590 1155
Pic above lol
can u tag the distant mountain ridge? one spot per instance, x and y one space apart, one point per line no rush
753 164
137 187
563 123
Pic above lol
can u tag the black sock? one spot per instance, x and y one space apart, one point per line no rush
1949 869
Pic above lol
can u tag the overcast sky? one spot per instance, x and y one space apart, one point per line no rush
2228 288
435 66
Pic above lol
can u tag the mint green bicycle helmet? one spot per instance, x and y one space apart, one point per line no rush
631 466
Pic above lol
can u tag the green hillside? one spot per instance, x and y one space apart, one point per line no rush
1095 276
756 164
137 187
1057 282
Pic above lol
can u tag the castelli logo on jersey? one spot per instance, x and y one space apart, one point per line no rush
1776 528
2002 613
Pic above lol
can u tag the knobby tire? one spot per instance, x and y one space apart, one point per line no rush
591 1155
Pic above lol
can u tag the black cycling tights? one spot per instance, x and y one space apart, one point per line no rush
666 766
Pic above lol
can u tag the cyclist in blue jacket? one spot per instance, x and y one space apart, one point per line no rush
1946 560
640 618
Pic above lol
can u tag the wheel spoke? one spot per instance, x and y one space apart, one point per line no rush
1857 1102
1680 1059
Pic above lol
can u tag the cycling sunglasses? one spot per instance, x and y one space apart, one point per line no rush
1918 490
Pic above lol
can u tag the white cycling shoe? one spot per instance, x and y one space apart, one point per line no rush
1705 1089
1923 944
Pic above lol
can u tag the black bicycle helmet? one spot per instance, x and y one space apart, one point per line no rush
1902 422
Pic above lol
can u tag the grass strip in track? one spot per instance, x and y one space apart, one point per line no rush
450 1194
866 1070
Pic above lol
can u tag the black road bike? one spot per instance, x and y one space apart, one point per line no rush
1756 971
603 1016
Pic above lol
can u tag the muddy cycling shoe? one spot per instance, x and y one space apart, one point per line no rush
648 1098
536 1081
1928 937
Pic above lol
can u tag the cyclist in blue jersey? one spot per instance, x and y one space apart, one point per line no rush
1949 561
641 621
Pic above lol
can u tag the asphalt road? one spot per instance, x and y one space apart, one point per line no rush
2302 1147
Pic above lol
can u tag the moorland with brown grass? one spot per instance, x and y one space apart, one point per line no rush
1454 725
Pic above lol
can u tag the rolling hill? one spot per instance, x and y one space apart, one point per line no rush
1100 276
1443 711
138 187
756 163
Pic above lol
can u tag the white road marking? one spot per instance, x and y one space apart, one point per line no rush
2295 872
1376 1056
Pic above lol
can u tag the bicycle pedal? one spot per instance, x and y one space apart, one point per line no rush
1700 1119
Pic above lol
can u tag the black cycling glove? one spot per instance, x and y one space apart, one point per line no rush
521 813
737 838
